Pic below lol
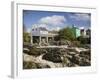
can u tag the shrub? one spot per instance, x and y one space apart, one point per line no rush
84 40
26 37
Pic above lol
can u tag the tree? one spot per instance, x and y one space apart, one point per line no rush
26 37
67 34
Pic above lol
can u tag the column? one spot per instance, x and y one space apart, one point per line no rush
47 39
40 40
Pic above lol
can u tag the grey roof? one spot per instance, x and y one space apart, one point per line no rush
43 29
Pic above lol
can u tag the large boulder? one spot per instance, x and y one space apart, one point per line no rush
84 62
40 65
52 57
33 65
26 50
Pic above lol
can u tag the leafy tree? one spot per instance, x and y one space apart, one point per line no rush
67 34
26 37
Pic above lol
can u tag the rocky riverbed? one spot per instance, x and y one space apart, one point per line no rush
56 57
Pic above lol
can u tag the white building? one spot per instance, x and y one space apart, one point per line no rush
40 35
85 32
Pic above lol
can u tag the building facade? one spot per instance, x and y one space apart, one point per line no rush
76 31
41 35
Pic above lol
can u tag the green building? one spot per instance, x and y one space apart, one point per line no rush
76 31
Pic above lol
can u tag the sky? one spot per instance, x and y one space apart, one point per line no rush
56 20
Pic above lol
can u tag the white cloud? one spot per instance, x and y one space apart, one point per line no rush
54 28
58 28
53 20
80 16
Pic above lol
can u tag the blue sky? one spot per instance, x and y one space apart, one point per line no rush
55 20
